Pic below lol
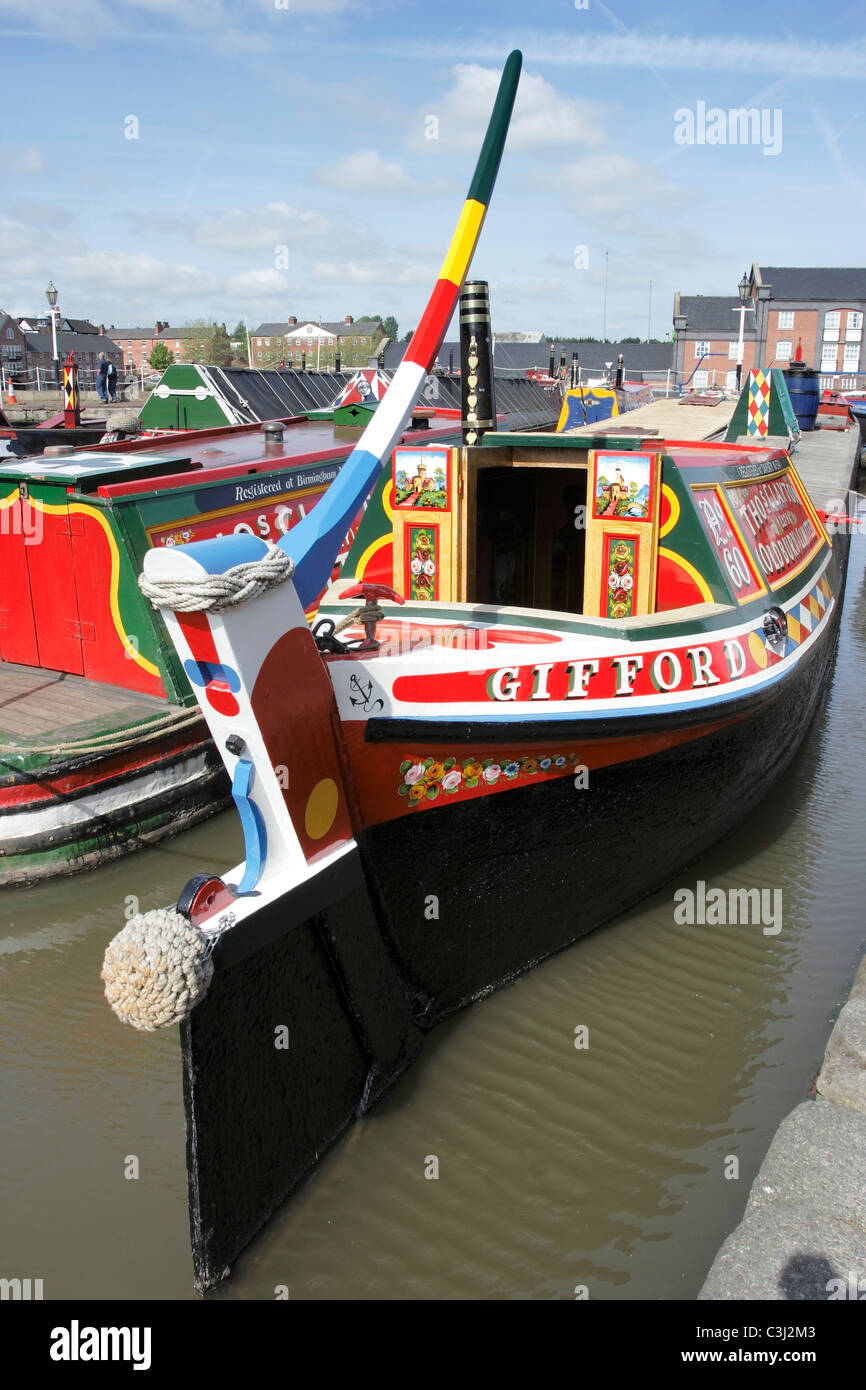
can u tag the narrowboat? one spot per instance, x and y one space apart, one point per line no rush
102 746
583 656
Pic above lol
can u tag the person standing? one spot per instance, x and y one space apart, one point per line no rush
111 380
102 376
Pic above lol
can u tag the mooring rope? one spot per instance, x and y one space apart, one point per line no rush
157 969
117 742
216 593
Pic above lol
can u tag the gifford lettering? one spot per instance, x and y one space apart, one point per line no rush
633 674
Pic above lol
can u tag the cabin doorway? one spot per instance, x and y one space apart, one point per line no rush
530 538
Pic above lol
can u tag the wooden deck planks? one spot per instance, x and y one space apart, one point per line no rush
670 419
34 702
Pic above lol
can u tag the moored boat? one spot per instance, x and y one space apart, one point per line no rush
591 653
102 747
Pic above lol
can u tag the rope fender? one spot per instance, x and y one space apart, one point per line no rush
216 593
156 969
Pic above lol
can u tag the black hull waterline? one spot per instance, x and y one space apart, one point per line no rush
357 966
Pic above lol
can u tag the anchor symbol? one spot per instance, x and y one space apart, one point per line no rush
365 694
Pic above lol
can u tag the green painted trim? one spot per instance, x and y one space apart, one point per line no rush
184 411
487 167
731 616
101 731
494 440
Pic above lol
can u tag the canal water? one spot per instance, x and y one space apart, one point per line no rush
614 1168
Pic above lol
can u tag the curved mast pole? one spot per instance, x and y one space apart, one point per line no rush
315 542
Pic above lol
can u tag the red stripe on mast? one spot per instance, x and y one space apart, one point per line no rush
427 338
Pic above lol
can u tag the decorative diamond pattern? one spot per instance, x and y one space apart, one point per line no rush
759 403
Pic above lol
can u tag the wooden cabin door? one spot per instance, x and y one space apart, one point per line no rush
52 584
17 625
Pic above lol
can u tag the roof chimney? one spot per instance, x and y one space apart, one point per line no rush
349 319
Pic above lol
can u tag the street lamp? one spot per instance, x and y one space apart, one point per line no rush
743 289
51 296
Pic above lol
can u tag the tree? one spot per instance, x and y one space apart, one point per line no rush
208 344
408 336
390 327
160 357
240 333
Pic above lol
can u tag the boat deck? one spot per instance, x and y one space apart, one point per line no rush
670 420
35 703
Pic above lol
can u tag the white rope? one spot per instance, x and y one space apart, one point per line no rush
217 592
156 969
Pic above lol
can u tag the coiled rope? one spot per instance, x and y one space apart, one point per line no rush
216 593
157 969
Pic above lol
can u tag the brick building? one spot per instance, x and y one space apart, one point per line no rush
86 346
13 349
136 344
27 348
316 343
821 308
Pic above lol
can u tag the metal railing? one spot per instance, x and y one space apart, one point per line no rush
42 379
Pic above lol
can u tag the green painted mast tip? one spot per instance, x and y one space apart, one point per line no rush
494 141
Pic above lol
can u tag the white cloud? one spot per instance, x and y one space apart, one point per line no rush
366 172
254 228
606 183
377 270
675 52
19 238
28 159
258 285
139 273
226 24
543 119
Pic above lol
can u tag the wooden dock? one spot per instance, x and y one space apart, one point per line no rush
828 461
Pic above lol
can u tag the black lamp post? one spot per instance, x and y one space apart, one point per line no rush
51 296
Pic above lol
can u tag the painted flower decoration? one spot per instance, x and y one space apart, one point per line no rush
425 780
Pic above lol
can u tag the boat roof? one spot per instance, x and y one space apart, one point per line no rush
222 452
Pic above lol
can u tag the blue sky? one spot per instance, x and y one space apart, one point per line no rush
282 163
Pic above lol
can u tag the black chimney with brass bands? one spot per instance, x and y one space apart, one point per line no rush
476 362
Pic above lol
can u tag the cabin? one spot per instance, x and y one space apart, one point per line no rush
601 526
